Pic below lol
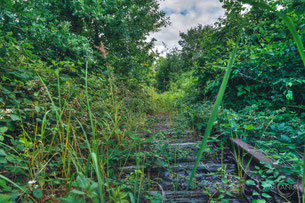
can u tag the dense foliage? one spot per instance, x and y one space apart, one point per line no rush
168 69
72 76
264 100
78 78
50 36
266 57
81 30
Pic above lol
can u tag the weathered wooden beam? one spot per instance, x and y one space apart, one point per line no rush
257 154
262 158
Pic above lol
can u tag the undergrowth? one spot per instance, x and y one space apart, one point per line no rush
69 144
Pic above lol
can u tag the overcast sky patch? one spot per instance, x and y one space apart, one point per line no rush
184 14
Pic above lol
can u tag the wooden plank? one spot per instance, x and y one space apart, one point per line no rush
257 154
260 157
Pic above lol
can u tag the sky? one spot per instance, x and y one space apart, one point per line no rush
184 14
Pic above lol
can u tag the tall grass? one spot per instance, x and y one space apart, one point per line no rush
80 148
167 102
94 151
213 116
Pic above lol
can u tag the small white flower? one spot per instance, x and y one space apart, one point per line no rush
32 182
8 111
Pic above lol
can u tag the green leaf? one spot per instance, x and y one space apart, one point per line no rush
98 174
250 182
92 194
267 185
15 117
132 199
3 186
37 193
247 88
14 194
82 181
37 109
229 193
285 138
3 160
78 192
249 127
240 93
41 181
3 129
258 201
2 153
5 198
266 195
291 181
13 183
289 95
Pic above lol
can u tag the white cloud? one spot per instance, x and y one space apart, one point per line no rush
185 14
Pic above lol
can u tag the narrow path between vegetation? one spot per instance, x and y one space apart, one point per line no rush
174 156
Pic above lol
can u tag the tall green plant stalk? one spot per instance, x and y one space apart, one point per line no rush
99 178
89 109
213 115
297 38
93 149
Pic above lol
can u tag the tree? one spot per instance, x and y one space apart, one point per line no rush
267 71
168 69
72 30
192 43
